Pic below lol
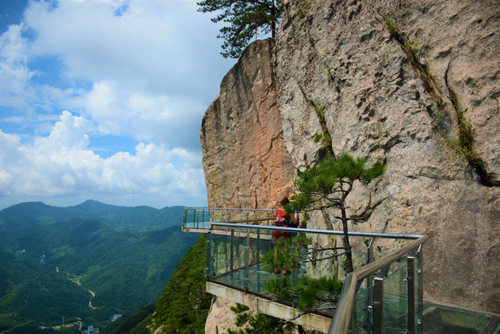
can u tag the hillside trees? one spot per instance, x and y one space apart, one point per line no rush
183 307
246 18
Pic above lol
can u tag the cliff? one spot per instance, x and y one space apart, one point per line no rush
378 103
244 160
409 83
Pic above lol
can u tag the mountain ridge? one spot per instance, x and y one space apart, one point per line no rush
137 218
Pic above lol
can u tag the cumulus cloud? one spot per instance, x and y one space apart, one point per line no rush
61 165
156 46
152 118
19 93
129 68
15 74
153 67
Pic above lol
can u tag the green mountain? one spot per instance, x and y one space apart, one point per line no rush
138 218
182 307
31 292
48 271
135 322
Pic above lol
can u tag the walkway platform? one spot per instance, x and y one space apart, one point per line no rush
384 294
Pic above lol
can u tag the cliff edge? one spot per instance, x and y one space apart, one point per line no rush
241 136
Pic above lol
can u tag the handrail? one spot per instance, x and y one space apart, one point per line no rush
236 222
331 232
228 209
342 317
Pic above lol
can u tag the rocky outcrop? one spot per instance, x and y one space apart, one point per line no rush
244 160
396 81
389 81
221 317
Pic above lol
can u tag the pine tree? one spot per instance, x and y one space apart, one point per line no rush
258 323
246 18
327 185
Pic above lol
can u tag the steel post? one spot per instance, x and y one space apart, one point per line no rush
410 284
247 265
378 301
231 252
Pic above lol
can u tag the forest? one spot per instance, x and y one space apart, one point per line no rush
48 269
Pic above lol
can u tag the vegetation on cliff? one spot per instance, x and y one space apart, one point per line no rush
184 305
247 18
258 323
327 186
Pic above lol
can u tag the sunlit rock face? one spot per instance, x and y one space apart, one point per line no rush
221 317
338 57
244 160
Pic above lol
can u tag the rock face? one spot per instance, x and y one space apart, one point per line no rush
343 66
221 317
244 160
338 57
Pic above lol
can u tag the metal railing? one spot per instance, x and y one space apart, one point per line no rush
201 217
234 259
343 319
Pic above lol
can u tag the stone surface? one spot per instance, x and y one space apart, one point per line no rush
315 323
339 56
221 318
244 160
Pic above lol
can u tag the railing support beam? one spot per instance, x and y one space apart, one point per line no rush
378 301
231 252
247 261
410 283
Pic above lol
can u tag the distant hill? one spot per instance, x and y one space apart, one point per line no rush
139 218
126 270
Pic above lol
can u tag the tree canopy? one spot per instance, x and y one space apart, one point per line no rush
246 18
328 184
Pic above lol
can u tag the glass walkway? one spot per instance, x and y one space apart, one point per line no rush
384 294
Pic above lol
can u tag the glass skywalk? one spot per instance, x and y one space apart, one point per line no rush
384 294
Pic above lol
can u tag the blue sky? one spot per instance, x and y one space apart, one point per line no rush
103 99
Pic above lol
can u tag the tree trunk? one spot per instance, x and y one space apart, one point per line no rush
349 267
273 23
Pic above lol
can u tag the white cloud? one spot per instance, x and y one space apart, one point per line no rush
157 46
151 118
152 66
132 68
17 90
62 165
15 75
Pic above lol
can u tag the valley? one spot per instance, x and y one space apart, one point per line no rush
82 270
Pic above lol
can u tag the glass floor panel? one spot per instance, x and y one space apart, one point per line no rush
200 225
258 278
444 319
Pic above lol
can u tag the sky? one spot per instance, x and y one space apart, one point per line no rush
103 100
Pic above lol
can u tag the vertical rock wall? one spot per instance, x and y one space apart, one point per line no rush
244 160
338 58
